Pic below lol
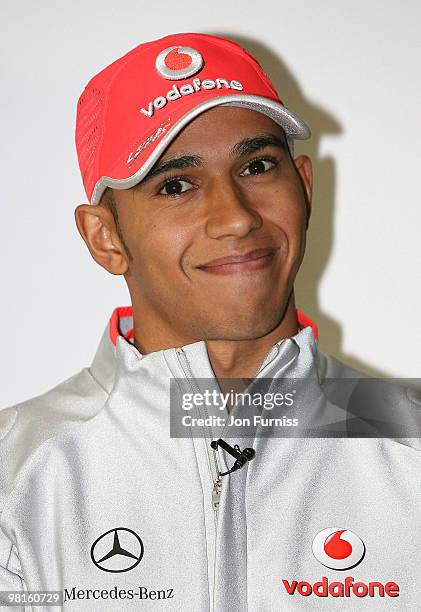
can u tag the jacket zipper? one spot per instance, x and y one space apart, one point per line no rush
211 453
216 493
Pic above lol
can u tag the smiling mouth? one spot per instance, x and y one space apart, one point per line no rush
250 262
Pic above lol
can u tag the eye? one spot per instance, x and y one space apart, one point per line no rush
174 186
259 166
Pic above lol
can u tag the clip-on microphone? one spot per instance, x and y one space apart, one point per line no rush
241 456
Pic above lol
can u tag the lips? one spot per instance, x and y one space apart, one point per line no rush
252 260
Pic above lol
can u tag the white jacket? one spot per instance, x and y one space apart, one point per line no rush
89 468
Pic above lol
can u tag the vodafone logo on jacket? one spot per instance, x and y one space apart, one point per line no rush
176 63
338 549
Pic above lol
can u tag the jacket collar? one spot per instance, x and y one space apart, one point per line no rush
120 325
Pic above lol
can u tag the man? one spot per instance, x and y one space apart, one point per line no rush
186 154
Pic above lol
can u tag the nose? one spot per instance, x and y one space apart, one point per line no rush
229 211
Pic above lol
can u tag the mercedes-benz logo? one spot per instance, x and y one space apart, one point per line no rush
117 550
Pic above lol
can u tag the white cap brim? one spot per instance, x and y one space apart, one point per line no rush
293 126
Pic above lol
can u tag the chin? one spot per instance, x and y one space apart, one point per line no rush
243 328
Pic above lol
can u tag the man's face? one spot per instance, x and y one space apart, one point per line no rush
217 241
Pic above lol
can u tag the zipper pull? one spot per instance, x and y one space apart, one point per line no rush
216 493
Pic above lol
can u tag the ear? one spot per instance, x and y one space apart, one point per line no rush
305 172
97 227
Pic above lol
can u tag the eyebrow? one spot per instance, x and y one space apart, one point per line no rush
240 149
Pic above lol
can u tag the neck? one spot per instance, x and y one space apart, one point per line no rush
228 358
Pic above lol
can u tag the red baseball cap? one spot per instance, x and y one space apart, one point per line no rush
130 111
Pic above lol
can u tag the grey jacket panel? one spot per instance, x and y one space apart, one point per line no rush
40 418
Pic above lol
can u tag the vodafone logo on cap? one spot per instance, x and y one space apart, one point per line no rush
178 62
338 549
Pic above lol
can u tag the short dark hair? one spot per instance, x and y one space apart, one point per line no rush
107 201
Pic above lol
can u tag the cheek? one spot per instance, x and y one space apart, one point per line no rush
158 248
285 209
